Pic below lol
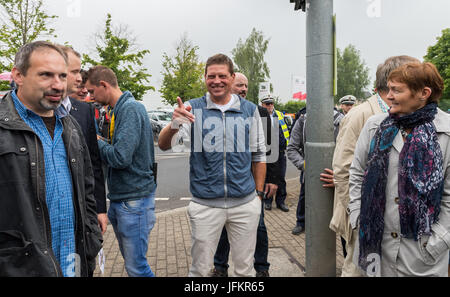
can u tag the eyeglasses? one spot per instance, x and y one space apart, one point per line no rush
268 103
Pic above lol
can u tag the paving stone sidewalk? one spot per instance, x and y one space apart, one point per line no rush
170 244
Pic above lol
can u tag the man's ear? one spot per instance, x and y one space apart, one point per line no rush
104 84
17 76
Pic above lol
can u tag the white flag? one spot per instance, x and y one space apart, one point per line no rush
264 89
299 87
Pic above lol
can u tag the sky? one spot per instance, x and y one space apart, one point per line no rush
377 28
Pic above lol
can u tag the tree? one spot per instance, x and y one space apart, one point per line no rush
183 73
248 57
352 74
291 106
21 22
439 55
116 50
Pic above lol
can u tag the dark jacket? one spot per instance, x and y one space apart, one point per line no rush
296 148
273 173
85 116
25 234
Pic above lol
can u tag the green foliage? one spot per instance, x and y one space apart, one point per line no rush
115 51
444 104
248 57
21 22
4 85
183 73
439 55
289 107
352 74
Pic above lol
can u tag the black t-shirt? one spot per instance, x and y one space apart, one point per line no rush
50 123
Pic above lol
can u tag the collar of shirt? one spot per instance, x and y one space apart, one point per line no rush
234 103
384 107
25 113
67 104
21 109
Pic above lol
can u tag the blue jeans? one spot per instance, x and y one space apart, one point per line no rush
281 191
261 250
132 222
301 203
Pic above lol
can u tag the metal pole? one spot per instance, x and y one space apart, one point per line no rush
319 148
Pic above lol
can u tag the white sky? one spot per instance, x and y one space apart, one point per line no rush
378 28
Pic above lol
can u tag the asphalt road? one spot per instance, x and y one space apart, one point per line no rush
173 179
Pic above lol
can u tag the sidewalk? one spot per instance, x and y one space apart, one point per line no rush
170 244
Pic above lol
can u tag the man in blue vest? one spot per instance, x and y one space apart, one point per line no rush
278 121
227 168
261 265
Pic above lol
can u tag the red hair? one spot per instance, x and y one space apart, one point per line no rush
417 76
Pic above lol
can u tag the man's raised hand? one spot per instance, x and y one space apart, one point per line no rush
181 115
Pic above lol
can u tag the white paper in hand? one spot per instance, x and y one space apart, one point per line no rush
101 261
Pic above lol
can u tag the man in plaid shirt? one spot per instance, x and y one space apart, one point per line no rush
48 222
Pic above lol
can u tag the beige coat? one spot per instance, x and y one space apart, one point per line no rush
400 256
349 131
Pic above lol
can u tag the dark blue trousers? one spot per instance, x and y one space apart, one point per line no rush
261 250
301 202
281 192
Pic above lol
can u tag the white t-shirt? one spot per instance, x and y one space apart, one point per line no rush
227 106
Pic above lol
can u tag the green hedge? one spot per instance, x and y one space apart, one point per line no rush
290 106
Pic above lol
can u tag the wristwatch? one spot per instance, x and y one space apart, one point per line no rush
261 194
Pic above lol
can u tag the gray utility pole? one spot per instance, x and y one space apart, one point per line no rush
319 147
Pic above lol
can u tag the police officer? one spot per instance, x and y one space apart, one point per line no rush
347 102
278 119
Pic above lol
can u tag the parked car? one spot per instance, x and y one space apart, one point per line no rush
169 111
156 127
161 117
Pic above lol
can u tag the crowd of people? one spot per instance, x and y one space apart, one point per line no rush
68 133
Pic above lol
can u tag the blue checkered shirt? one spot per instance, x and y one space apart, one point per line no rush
58 185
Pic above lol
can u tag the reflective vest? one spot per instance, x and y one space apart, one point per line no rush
283 125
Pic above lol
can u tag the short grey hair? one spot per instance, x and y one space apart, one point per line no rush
22 58
386 68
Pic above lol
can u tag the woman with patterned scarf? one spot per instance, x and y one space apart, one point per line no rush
400 180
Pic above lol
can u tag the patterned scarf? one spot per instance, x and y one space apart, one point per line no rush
420 180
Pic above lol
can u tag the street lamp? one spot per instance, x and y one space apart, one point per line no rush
319 147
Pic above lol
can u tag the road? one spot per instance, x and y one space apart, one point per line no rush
173 179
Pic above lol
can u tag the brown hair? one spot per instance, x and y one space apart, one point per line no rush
68 49
22 58
84 76
220 59
418 76
102 73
